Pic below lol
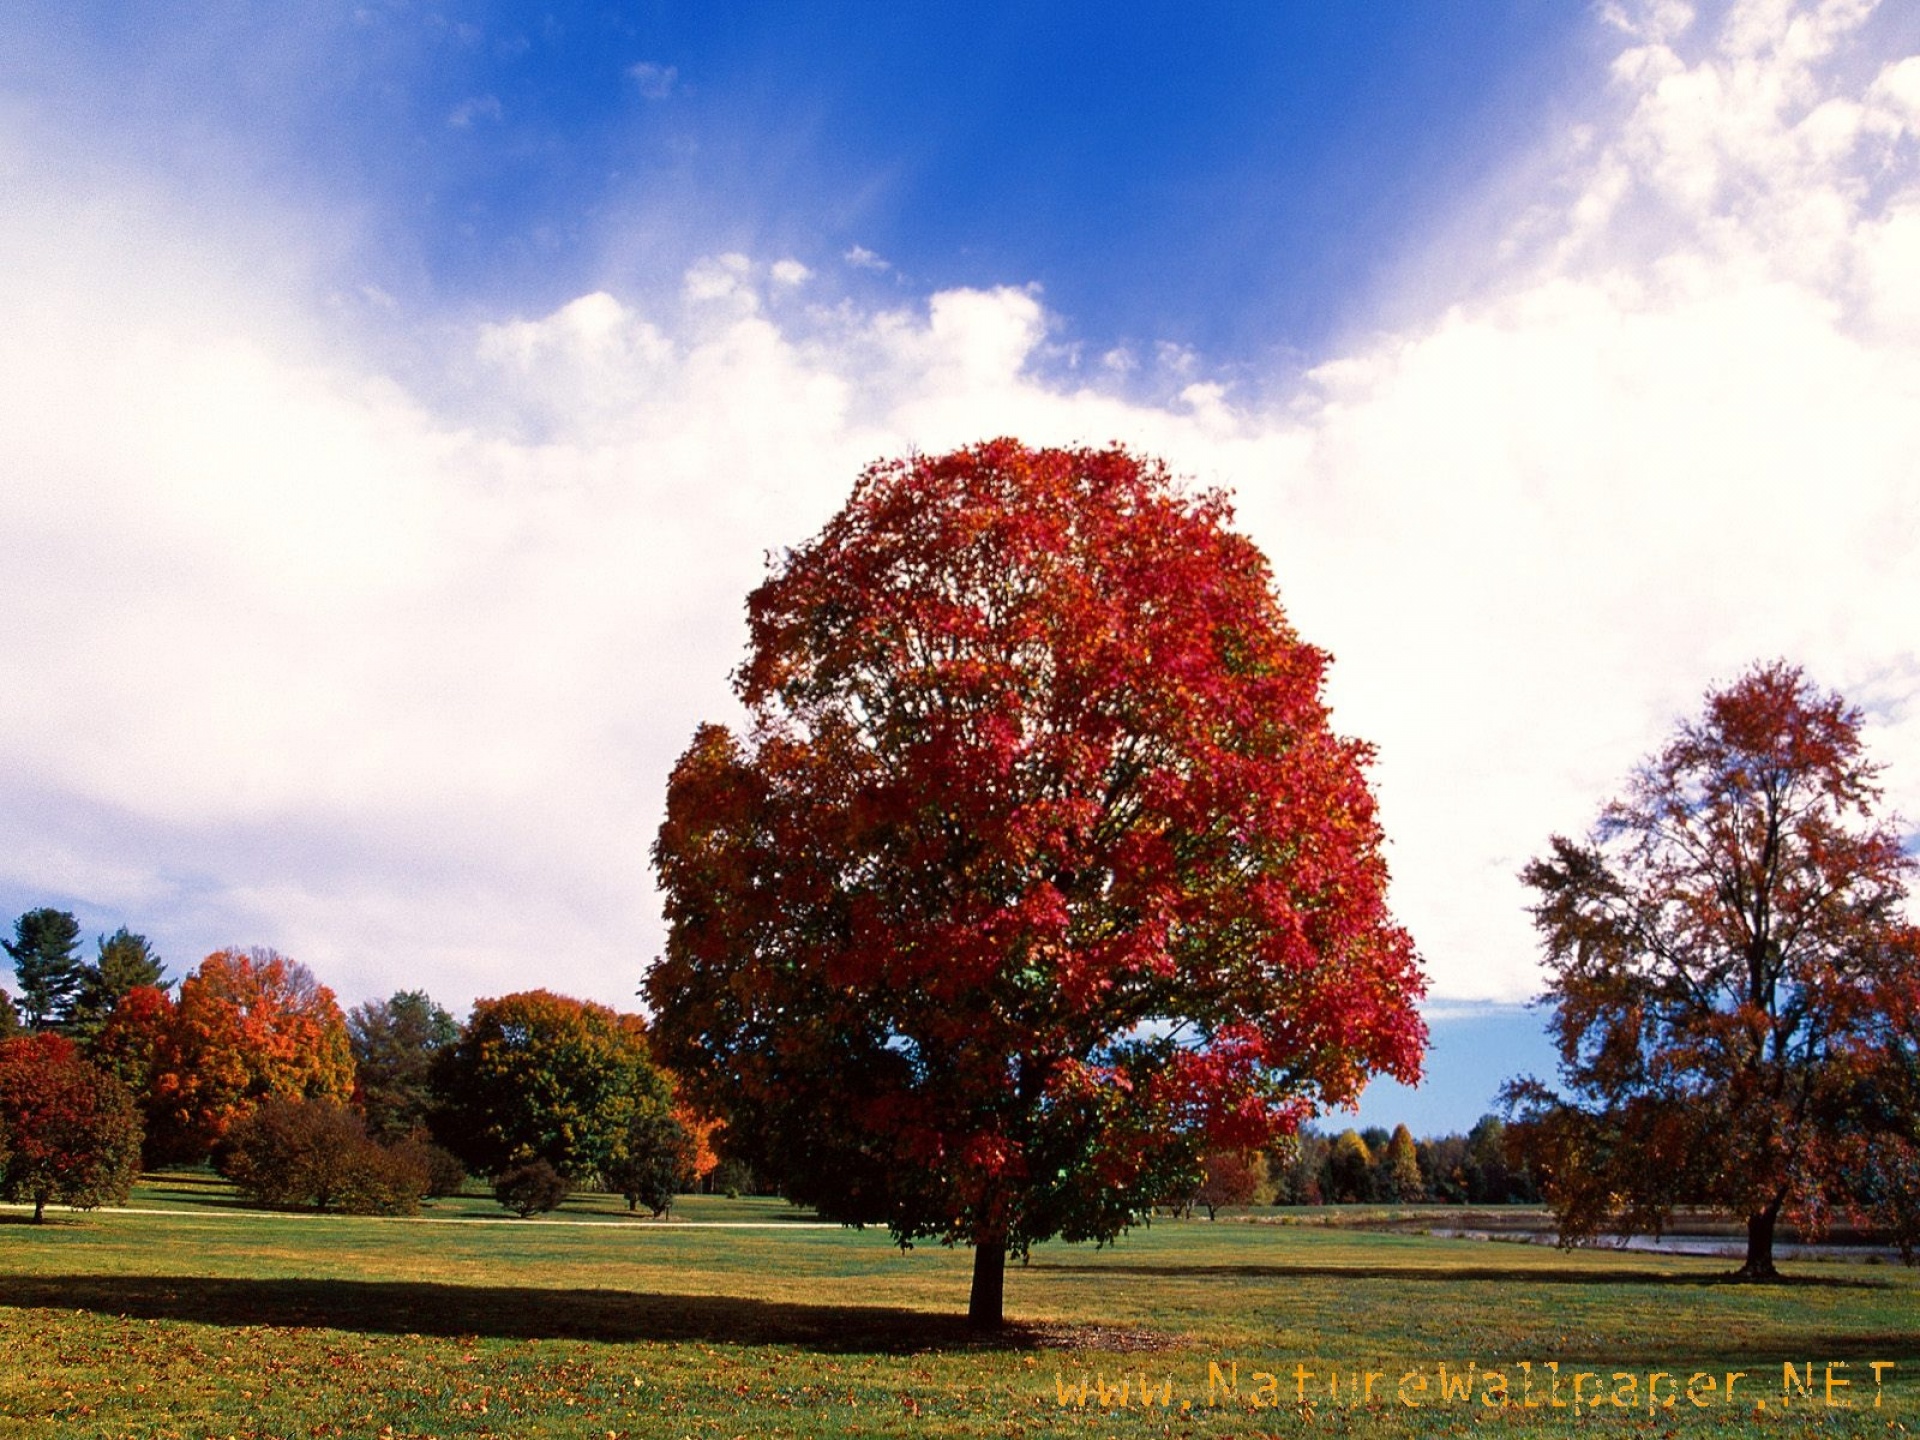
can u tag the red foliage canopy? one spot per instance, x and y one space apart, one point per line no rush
72 1136
1041 869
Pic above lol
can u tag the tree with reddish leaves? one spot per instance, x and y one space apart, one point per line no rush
72 1135
1731 969
248 1024
1229 1177
1041 871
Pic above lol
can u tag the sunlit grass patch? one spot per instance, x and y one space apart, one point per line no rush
204 1321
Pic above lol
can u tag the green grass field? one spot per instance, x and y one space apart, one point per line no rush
206 1319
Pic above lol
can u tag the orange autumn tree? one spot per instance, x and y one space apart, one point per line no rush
702 1160
248 1025
1040 872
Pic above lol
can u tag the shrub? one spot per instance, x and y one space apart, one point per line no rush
382 1180
533 1187
445 1173
317 1152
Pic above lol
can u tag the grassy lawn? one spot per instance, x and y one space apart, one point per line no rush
208 1320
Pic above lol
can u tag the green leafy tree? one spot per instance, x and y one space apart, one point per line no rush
1492 1176
395 1042
126 961
1349 1169
10 1024
73 1136
544 1076
655 1162
45 950
1443 1167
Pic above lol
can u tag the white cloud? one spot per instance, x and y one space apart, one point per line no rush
655 82
862 258
391 679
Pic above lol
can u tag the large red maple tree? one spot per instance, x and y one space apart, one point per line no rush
1040 871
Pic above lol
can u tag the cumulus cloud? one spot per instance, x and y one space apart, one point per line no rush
391 676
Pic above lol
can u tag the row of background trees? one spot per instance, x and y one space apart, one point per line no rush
250 1062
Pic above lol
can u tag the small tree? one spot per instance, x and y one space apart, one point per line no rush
45 950
73 1135
1231 1177
531 1188
318 1153
1729 963
655 1162
291 1152
10 1023
383 1180
1402 1179
445 1173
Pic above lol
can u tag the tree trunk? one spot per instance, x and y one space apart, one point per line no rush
39 1209
986 1307
1759 1264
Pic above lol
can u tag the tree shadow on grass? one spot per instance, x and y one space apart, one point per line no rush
1451 1275
513 1312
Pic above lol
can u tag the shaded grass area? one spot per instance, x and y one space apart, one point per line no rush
205 1322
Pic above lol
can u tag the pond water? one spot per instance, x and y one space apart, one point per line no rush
1734 1247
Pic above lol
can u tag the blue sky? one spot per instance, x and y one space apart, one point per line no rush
1230 177
401 400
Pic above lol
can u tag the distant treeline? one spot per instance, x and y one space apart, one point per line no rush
1371 1166
249 1062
